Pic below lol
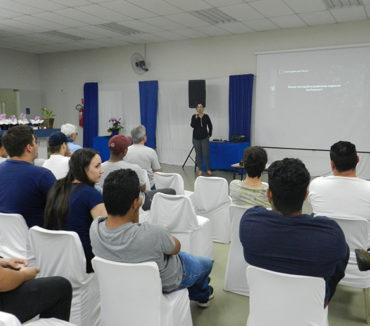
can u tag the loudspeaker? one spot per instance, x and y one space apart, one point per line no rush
197 93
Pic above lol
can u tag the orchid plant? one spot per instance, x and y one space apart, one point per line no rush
116 125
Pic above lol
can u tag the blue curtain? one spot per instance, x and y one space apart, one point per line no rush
90 113
240 105
148 109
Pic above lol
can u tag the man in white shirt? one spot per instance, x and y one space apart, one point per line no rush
342 194
118 147
58 162
142 155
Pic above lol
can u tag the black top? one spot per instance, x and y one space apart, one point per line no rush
200 126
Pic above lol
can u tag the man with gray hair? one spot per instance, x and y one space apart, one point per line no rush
71 132
142 155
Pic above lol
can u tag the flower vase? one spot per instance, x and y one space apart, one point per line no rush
114 132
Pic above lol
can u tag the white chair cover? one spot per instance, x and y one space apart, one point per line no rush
356 231
284 299
169 180
60 253
211 200
147 182
131 294
7 319
14 237
235 278
177 214
48 322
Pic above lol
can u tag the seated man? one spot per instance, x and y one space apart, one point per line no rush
251 191
71 132
3 153
142 155
26 297
119 237
58 162
285 240
118 149
343 193
23 186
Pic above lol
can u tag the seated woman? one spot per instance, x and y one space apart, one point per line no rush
73 202
251 191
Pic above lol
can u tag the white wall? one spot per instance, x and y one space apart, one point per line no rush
63 74
19 70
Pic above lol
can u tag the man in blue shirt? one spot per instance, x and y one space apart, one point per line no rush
285 240
23 186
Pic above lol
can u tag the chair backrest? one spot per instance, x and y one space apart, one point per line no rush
356 230
147 181
130 293
175 212
210 193
284 299
169 180
59 253
13 236
7 319
236 213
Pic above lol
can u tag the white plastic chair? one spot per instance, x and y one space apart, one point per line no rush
170 180
177 215
60 253
211 199
235 278
356 231
285 299
131 294
7 319
14 237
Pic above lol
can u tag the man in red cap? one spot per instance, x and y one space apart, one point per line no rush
118 149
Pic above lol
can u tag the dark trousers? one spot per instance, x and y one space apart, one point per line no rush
201 147
150 194
47 296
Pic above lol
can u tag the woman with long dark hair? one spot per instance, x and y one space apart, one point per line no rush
73 202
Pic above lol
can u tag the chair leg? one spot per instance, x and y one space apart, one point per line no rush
367 302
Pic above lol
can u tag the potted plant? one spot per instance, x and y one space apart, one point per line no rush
115 127
48 116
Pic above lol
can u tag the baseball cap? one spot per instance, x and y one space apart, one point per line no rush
57 138
117 144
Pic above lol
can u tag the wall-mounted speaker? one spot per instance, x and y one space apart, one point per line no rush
197 93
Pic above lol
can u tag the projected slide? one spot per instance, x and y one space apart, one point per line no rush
310 99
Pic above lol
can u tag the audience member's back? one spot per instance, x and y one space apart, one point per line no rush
251 191
343 193
23 186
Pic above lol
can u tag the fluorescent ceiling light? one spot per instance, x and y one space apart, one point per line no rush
118 28
64 35
333 4
213 16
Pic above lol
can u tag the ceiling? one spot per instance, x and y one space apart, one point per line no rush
45 26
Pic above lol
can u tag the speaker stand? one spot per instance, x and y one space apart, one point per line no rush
189 156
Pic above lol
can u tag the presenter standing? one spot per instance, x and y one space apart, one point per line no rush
202 131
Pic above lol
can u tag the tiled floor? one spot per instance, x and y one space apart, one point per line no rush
228 309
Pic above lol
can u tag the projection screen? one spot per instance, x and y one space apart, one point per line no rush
312 98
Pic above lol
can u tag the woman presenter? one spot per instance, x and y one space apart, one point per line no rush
202 130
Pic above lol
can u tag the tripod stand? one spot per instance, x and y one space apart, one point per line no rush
189 156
